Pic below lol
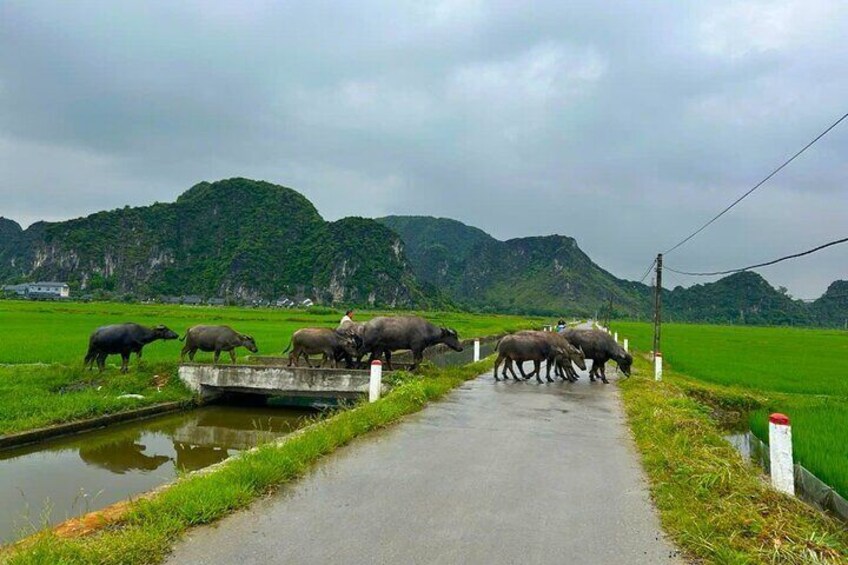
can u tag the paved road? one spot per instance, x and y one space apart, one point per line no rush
495 473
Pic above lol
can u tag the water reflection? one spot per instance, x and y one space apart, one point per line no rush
53 481
123 456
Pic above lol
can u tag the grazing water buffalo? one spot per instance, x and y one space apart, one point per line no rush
123 340
600 347
386 334
562 363
217 339
530 347
333 344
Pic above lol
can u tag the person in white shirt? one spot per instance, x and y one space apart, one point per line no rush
348 318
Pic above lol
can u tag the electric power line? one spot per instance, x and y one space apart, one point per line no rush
648 270
758 185
772 262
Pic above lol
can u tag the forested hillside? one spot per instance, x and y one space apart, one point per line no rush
237 238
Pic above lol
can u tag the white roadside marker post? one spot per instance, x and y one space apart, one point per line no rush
476 350
658 366
615 337
376 382
626 345
780 454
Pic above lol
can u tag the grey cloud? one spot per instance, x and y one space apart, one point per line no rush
624 124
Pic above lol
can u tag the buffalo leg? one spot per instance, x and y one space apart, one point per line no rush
217 356
388 354
233 355
603 374
509 365
537 368
520 364
498 360
183 352
101 361
548 371
125 361
191 354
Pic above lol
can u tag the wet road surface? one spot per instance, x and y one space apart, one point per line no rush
497 472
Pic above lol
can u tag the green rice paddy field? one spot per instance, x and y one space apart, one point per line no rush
42 345
800 372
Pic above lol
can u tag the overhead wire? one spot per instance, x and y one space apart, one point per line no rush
758 185
765 264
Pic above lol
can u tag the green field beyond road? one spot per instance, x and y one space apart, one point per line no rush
42 345
800 372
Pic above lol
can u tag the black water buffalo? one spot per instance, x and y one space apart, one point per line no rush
333 344
386 334
123 340
600 347
529 347
217 339
562 363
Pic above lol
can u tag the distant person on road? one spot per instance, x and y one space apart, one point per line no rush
346 319
560 326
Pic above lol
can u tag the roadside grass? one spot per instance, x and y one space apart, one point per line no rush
146 533
41 332
800 372
34 396
715 506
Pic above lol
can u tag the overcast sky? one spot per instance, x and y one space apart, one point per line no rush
623 124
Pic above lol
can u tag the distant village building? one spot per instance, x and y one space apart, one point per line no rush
307 303
284 302
192 300
170 300
216 302
40 290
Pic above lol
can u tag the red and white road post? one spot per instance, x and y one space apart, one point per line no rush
780 454
376 382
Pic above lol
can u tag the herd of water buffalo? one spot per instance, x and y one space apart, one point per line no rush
377 338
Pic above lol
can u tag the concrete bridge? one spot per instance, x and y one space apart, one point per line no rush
276 380
271 376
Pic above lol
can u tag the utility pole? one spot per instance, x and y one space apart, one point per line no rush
658 306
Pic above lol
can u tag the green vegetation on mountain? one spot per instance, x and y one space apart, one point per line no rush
551 275
233 238
741 298
245 239
541 275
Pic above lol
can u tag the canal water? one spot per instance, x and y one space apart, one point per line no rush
52 481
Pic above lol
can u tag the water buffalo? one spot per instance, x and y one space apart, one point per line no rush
529 347
386 334
217 339
600 347
333 344
123 340
562 363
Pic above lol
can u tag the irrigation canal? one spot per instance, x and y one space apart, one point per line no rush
47 483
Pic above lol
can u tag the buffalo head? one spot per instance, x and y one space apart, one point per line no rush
162 332
578 357
249 343
624 362
451 339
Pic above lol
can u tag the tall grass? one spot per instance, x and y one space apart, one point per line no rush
800 372
34 396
